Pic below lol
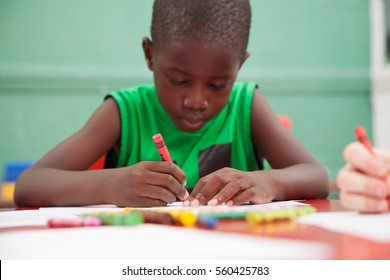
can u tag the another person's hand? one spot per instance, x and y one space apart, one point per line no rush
232 187
147 184
364 181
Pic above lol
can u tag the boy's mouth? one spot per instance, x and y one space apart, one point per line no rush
193 124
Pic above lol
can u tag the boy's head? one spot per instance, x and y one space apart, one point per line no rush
225 23
197 49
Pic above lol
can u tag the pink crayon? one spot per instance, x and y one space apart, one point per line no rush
77 222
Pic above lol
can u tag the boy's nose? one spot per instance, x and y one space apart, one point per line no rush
196 100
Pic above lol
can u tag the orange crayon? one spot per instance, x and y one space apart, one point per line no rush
362 137
161 148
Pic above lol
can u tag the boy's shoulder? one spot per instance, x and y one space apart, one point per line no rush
243 88
133 92
142 88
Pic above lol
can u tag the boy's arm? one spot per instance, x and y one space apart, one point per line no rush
55 179
295 173
60 179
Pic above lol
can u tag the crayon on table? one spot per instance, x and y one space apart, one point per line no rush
118 219
76 222
155 217
205 221
183 218
226 215
258 217
362 137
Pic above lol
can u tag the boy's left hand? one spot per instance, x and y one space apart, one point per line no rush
232 187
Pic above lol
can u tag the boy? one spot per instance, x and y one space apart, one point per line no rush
217 131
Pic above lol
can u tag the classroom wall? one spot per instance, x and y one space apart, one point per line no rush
59 58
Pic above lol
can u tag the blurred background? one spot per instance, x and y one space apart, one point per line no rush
320 62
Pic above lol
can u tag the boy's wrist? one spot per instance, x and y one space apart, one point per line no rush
266 180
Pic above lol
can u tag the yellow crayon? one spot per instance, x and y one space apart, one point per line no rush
187 219
269 216
254 218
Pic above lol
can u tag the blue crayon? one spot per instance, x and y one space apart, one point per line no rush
207 221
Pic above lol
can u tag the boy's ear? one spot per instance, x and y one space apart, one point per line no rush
148 52
246 55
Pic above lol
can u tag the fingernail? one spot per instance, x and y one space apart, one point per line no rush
195 202
186 203
213 202
229 203
185 183
183 194
186 195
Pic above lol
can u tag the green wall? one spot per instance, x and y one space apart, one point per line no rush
58 59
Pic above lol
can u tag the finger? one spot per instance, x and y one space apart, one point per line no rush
143 202
388 185
213 185
175 174
148 202
168 168
253 195
232 189
360 158
363 203
353 181
157 193
384 155
198 187
168 182
222 175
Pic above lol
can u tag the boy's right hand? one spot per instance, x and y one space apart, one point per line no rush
364 181
147 184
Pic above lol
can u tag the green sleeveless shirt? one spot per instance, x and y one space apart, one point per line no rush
225 141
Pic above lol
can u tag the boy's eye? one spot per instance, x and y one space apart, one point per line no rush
217 87
179 82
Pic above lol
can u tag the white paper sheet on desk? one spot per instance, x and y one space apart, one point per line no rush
21 218
53 211
374 227
152 242
224 208
59 211
29 218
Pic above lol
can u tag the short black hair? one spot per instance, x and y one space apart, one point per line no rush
223 22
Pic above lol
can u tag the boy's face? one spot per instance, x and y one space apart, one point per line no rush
193 80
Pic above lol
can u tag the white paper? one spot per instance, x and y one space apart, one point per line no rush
374 227
21 218
151 242
59 211
238 208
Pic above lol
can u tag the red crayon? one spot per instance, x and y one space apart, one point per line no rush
362 137
161 148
